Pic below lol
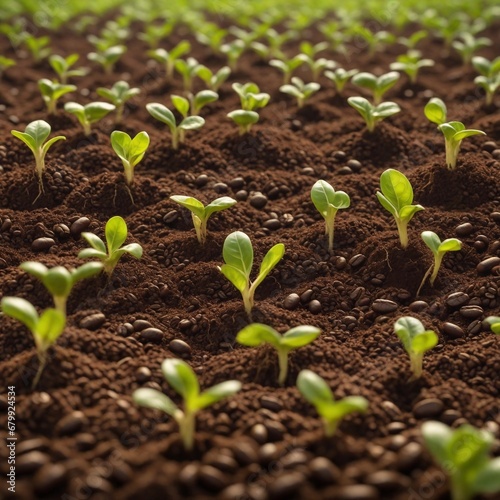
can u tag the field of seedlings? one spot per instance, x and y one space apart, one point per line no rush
250 250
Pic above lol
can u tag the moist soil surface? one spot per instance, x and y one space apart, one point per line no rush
80 436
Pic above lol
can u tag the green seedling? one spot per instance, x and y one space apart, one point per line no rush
375 41
59 281
412 41
489 84
130 151
110 253
397 198
238 257
38 47
416 340
89 114
372 114
485 67
494 322
169 58
257 334
213 80
200 213
34 137
15 31
340 77
464 454
266 52
183 380
317 392
318 66
468 45
164 115
454 132
62 67
52 91
108 57
288 66
233 51
201 99
411 63
212 36
377 85
328 202
119 94
188 69
251 98
439 249
46 328
335 35
5 63
153 34
300 90
310 50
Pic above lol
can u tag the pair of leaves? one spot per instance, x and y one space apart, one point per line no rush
250 96
164 115
377 85
130 151
373 114
414 337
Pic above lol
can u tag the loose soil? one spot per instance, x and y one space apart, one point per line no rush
80 436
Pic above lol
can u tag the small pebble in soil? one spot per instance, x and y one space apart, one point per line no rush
258 201
291 302
428 408
237 183
179 347
315 306
201 180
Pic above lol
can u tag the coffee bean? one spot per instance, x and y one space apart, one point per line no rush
357 492
271 403
179 347
485 266
286 485
418 306
141 324
452 330
291 302
31 461
272 224
428 408
457 299
388 480
471 312
357 260
80 225
464 229
211 478
258 201
48 478
323 471
152 334
315 306
42 244
384 306
72 423
93 321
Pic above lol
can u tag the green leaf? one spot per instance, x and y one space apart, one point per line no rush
450 245
432 240
365 80
38 130
36 269
192 123
133 249
94 241
50 327
191 204
95 111
343 407
116 233
272 257
218 205
181 104
257 334
151 398
424 342
238 252
183 380
460 136
396 188
494 322
314 388
92 253
242 117
435 111
86 271
162 113
204 97
437 437
300 336
216 393
323 195
235 276
22 310
488 478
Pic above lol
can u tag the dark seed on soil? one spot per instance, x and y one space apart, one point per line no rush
42 244
306 296
452 330
143 374
409 456
48 478
464 229
241 195
179 347
220 187
355 165
80 225
428 408
291 302
286 485
71 423
30 462
141 324
315 306
357 260
272 224
357 492
201 180
418 306
344 171
212 478
457 299
259 433
245 453
496 217
388 480
152 334
258 201
323 471
487 265
271 403
471 312
449 416
93 321
384 306
170 216
34 444
237 183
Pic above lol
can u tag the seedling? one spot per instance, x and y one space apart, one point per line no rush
213 80
397 198
377 85
373 114
317 66
89 114
454 132
34 137
212 36
238 257
411 63
375 41
154 34
494 322
200 214
318 393
412 41
38 47
169 58
233 51
439 249
485 67
5 62
119 94
251 99
52 91
328 202
62 67
300 90
201 99
310 50
59 281
46 328
164 115
340 77
489 84
116 233
416 341
257 334
288 66
184 381
464 454
188 69
130 151
108 57
468 45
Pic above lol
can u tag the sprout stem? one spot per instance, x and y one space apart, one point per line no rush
330 426
42 359
403 232
452 149
186 428
283 365
438 257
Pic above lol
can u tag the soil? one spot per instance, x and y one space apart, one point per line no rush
80 436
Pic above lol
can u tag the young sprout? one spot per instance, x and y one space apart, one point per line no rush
213 80
411 63
468 45
485 67
310 50
38 47
169 58
200 214
464 454
46 328
5 62
489 84
251 98
328 202
212 36
340 77
317 66
164 115
397 198
34 137
62 67
257 334
108 57
183 380
494 322
119 94
411 42
52 91
116 233
300 90
130 151
318 393
233 51
89 114
288 66
454 132
59 281
378 86
154 34
238 257
188 69
372 114
374 40
416 341
201 99
439 249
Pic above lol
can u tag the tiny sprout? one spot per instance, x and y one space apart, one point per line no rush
184 381
108 57
62 67
373 114
238 257
317 66
288 66
59 281
328 202
416 341
200 214
201 99
489 84
233 51
39 47
485 67
168 58
52 91
468 45
257 334
212 36
130 151
5 62
153 34
46 328
397 198
311 50
119 94
464 453
89 114
318 393
340 77
411 63
300 90
378 86
116 233
188 69
412 41
494 322
454 132
251 99
439 249
34 136
213 80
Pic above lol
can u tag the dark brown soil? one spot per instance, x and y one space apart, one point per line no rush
80 436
